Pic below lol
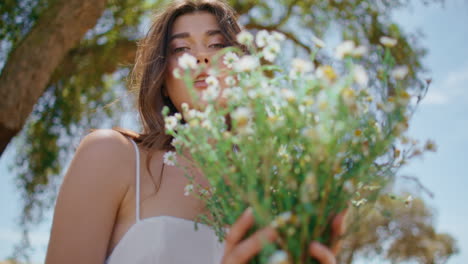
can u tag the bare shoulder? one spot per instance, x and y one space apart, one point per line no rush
90 196
106 151
106 141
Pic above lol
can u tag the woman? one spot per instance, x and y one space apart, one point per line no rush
119 202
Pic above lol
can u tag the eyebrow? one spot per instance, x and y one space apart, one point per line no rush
186 35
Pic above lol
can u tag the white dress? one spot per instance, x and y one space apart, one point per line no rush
165 239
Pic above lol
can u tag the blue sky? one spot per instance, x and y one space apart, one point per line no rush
443 117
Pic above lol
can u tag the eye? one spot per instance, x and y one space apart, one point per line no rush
180 49
218 45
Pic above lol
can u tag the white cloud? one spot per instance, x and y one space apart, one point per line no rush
434 97
449 90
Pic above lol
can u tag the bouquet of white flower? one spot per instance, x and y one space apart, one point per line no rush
296 145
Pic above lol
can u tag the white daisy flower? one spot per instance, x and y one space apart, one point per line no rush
185 107
231 81
242 115
279 257
285 216
262 38
210 93
178 116
289 95
230 58
187 61
359 51
176 73
170 158
388 42
299 67
227 93
271 51
408 200
193 113
247 63
244 37
207 124
212 81
400 72
345 48
253 94
277 36
188 189
360 76
359 203
318 42
175 142
170 122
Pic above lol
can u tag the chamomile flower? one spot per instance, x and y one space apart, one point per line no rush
388 42
400 72
277 36
210 93
279 257
207 124
262 38
359 51
212 81
188 189
299 67
230 81
289 95
170 158
326 72
318 42
170 122
344 49
245 37
408 200
185 107
176 73
229 59
187 61
242 115
247 63
360 76
271 51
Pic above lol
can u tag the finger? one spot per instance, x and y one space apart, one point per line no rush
238 230
321 253
251 246
338 230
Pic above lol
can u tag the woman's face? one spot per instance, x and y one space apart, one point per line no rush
199 35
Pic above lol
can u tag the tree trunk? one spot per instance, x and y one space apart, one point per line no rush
32 62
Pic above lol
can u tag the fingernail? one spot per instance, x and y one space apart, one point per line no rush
248 211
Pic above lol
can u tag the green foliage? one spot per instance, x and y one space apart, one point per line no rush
397 233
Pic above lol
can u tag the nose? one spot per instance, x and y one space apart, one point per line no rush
202 58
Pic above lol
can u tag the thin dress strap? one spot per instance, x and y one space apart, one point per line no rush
137 187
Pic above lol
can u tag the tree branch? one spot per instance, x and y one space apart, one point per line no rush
32 63
289 35
286 17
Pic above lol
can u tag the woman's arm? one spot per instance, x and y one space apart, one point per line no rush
89 198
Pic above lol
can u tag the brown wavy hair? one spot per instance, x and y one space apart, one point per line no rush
147 76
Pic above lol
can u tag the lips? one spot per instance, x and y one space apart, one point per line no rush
200 82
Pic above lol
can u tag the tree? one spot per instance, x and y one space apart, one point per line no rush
36 56
71 87
397 232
